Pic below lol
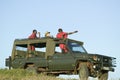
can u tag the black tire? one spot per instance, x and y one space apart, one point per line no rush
31 69
83 72
103 76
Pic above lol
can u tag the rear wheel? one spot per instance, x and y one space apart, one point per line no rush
83 72
31 69
103 76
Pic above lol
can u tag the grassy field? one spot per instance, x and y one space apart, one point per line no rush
18 74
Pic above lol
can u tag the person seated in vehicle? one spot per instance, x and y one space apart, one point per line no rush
47 34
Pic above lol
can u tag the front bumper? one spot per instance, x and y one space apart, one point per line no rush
108 69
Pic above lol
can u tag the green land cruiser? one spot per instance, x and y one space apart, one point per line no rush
49 58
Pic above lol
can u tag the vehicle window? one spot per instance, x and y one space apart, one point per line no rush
40 47
21 47
57 49
76 47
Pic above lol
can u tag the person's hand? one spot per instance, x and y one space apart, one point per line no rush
38 32
75 31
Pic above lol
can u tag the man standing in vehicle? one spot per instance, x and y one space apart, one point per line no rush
33 36
63 35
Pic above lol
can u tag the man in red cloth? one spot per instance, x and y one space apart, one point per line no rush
33 36
63 35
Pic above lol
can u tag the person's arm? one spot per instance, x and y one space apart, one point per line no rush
38 34
72 32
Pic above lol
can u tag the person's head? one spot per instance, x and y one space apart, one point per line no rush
35 31
47 34
60 30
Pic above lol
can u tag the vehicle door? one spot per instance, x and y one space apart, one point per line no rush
61 61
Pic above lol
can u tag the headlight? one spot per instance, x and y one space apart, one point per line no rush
94 66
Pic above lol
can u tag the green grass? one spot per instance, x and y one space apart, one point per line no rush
19 74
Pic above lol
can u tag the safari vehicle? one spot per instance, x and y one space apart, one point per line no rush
49 58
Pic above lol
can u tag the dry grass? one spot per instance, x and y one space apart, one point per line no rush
18 74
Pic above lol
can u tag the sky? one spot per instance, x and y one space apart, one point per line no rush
98 23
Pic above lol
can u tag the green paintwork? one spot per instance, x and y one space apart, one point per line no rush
48 58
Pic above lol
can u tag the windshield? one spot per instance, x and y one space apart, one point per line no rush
76 47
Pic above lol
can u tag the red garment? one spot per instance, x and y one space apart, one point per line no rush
62 46
32 48
33 36
62 35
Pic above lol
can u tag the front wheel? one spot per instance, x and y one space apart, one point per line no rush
103 76
83 72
